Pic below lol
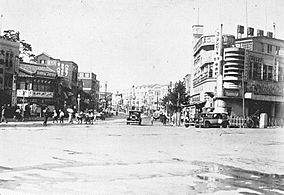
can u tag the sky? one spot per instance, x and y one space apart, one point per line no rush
131 42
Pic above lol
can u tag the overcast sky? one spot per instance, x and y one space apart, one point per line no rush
131 42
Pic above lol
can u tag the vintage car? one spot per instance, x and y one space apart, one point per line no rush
211 119
134 117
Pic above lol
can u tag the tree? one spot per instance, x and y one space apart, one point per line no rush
175 98
25 48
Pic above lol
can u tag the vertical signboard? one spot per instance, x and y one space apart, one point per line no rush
246 65
275 69
62 69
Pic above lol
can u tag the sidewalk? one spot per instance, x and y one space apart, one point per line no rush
38 122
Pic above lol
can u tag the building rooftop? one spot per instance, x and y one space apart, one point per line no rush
33 68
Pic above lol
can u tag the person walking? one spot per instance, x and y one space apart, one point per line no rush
3 115
45 115
61 116
70 115
152 119
55 116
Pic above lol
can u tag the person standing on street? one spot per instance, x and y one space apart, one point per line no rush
55 116
70 115
152 119
3 115
61 115
45 115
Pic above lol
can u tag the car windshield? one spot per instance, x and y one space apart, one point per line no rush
136 113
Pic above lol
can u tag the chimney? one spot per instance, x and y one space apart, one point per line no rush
240 31
250 32
269 34
259 33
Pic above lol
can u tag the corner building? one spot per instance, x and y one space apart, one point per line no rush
256 61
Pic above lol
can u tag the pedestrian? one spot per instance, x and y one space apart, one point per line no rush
45 115
18 114
91 115
152 119
55 116
70 115
3 115
61 115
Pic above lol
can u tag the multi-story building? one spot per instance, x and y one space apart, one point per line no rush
242 76
90 86
67 71
206 68
9 63
262 58
187 83
35 87
146 97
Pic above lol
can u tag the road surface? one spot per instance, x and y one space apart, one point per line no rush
114 158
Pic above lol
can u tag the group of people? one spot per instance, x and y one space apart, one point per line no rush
163 118
58 116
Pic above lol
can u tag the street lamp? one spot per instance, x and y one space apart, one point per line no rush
79 99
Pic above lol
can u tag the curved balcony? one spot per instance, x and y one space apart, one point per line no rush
233 67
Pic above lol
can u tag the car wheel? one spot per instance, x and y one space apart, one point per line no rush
127 123
186 125
207 124
224 124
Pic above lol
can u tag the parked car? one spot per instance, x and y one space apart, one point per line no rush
100 115
134 117
212 120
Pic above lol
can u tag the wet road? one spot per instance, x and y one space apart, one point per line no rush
115 158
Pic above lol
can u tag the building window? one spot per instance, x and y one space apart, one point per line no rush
269 73
256 71
269 48
7 59
277 49
265 76
87 75
281 74
1 80
11 60
1 70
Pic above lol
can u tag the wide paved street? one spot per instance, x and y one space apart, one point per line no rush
114 158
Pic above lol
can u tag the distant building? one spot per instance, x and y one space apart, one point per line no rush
146 97
91 86
35 87
9 64
187 83
67 71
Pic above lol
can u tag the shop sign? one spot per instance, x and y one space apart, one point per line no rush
266 88
34 94
62 69
195 99
24 93
44 73
42 94
232 93
246 65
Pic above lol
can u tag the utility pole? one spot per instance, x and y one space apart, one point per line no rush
178 110
105 95
157 100
243 93
1 25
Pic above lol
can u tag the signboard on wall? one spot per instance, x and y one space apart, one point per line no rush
62 69
34 94
266 88
246 65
